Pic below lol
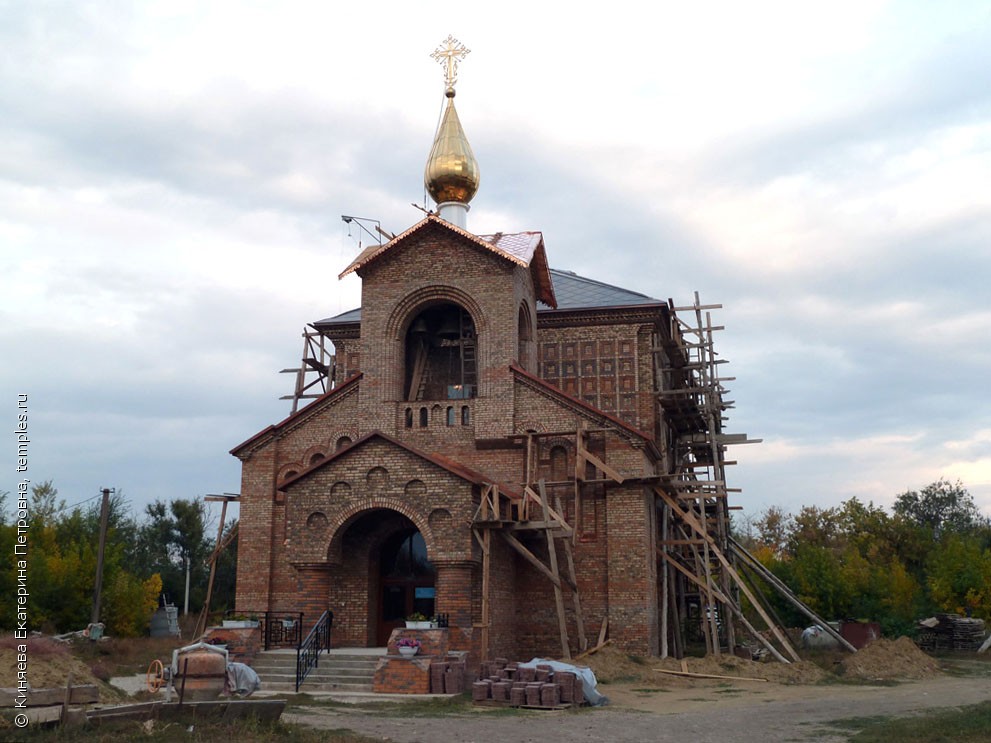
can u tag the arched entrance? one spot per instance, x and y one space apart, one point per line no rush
406 581
381 575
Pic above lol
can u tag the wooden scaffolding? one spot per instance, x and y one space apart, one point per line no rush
704 575
703 571
510 517
315 373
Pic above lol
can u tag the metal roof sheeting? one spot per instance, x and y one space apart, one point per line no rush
573 292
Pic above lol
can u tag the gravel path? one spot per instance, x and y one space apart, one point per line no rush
717 713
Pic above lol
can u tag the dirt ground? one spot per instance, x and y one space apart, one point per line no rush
707 712
765 703
751 701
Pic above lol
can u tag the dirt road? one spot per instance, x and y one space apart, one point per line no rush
716 712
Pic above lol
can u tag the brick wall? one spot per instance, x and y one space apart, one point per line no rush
314 543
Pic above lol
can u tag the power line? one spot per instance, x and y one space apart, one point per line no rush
76 505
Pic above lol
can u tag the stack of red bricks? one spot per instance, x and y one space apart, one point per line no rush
243 644
502 682
447 677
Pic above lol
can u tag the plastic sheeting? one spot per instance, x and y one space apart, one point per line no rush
592 696
241 680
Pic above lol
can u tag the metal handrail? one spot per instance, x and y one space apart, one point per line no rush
282 629
308 652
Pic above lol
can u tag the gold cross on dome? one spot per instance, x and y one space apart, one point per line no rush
449 53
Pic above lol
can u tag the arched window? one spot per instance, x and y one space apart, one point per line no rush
450 415
441 355
559 463
424 417
524 335
465 415
343 442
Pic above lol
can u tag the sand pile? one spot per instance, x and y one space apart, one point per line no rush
884 660
49 664
804 672
614 666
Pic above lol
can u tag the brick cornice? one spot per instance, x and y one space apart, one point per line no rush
652 314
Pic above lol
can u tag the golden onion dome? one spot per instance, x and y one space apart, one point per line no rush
452 170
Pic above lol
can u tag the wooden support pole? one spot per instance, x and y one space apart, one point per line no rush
665 577
570 559
600 465
579 477
531 558
562 618
201 622
783 589
690 519
486 586
710 614
64 713
726 600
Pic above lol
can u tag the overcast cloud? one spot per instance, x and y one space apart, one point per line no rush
172 177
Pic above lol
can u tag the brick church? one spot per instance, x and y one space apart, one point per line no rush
497 444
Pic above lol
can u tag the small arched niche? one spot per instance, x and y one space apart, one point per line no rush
441 354
524 336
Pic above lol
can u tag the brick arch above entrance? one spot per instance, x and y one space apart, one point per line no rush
341 522
419 299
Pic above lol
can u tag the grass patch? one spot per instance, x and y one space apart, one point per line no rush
966 667
651 691
440 707
125 656
962 725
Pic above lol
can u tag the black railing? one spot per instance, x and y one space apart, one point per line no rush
282 630
279 629
308 652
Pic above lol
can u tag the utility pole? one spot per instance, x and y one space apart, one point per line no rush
185 605
104 516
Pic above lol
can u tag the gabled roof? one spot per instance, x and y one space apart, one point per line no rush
525 249
455 468
338 391
573 292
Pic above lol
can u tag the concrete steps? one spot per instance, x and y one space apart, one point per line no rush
336 671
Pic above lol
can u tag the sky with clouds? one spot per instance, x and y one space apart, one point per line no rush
173 175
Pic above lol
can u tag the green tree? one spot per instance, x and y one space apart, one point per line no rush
45 503
173 533
959 575
941 507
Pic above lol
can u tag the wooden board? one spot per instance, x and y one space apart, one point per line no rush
82 694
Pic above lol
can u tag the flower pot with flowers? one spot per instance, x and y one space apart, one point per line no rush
408 646
417 621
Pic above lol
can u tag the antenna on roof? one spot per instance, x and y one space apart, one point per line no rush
360 221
